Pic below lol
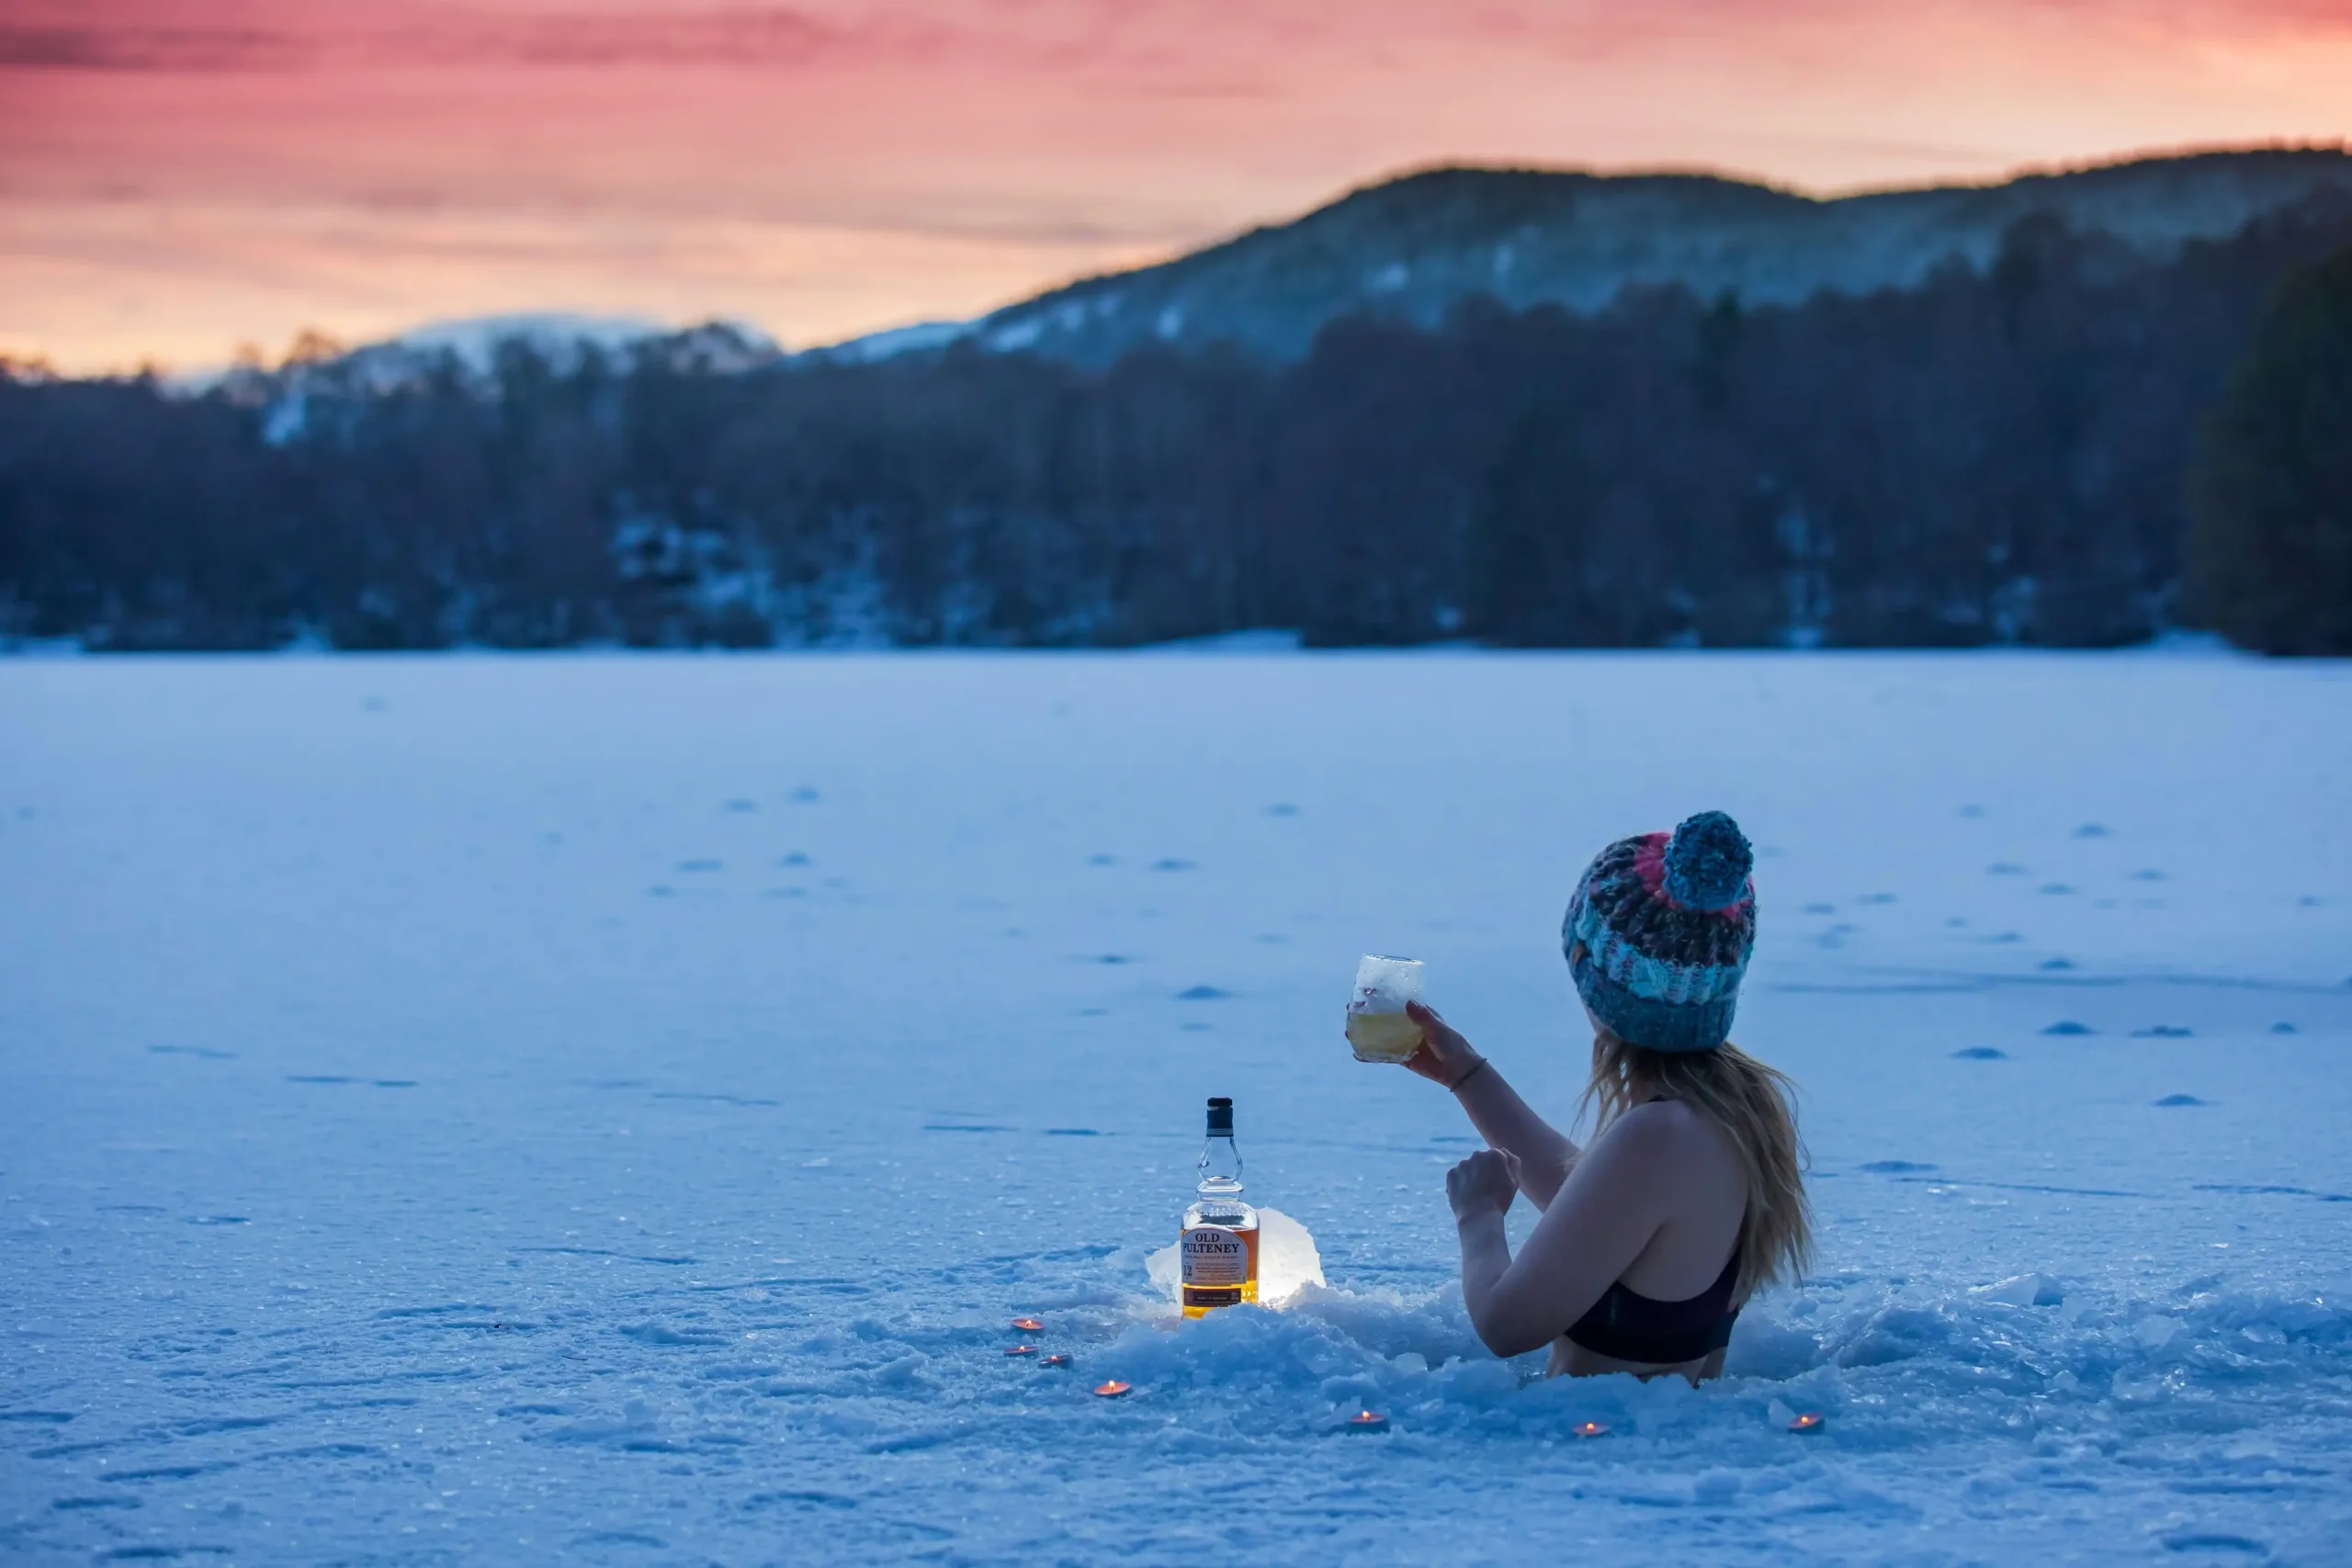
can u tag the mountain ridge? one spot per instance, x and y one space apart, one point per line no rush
1415 245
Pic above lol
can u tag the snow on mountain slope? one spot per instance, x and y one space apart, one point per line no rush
476 340
1417 246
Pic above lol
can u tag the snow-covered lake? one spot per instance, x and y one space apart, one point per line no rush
602 1108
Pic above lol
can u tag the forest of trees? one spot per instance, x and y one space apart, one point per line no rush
2004 455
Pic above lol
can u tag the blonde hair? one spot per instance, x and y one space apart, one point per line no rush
1754 1103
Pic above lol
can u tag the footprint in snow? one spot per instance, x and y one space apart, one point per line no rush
2282 1027
1893 1166
1875 899
2005 868
2068 1026
2056 888
2203 1542
204 1053
2092 830
1202 994
1982 1053
1282 808
2161 1032
795 857
2148 876
1821 909
804 795
1969 811
1102 860
740 805
1172 864
697 866
2172 1099
2055 964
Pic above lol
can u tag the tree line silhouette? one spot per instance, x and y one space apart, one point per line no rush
2003 456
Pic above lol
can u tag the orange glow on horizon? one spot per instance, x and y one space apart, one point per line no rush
175 187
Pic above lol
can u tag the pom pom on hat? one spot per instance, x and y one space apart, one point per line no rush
1707 862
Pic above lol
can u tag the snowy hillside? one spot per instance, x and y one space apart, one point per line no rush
1415 246
605 1110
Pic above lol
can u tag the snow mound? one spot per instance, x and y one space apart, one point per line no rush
1287 1261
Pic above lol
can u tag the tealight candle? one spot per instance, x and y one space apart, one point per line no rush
1809 1422
1365 1421
1027 1325
1055 1360
1021 1350
1111 1389
1590 1429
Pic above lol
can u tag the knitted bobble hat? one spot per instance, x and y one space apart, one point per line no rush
1659 930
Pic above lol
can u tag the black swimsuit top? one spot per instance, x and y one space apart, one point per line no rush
1630 1327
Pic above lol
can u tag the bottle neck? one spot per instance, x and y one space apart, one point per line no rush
1220 1167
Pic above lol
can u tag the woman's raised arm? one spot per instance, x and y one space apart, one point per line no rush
1545 1156
1606 1215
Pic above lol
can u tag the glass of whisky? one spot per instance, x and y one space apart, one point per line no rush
1378 1027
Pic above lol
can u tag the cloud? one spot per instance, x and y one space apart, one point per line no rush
272 39
66 47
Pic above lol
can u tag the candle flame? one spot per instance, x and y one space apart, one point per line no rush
1110 1390
1027 1325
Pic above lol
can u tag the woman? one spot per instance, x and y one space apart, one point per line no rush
1690 1196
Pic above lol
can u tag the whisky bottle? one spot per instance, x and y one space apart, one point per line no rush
1219 1246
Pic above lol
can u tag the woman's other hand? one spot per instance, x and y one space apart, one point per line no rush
1485 1183
1443 1056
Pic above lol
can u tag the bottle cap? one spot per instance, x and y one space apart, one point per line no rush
1220 1114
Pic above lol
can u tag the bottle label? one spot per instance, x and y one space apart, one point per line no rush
1215 1257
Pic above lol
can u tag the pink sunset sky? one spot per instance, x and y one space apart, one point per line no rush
179 177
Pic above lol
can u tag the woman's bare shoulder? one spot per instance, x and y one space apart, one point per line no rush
1666 1129
1659 1118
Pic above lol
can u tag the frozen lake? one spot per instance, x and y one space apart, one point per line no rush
607 1109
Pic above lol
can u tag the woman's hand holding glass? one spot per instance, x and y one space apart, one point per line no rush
1444 1057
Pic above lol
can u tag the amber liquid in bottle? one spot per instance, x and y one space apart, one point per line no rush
1218 1248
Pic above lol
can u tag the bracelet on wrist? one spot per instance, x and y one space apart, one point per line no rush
1455 1086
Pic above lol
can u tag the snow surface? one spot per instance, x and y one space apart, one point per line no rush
607 1109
